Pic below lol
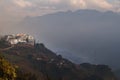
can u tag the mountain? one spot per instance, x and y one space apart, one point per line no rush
117 73
88 35
46 65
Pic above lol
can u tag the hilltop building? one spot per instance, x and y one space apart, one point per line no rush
19 38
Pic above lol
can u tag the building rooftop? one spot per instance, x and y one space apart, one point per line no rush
19 38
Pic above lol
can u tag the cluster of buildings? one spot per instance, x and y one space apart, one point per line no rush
19 38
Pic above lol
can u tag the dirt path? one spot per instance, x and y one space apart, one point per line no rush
7 48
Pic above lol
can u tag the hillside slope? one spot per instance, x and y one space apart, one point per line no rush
46 65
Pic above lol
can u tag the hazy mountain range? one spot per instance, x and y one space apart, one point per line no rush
86 35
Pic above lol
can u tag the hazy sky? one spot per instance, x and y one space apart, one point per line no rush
38 7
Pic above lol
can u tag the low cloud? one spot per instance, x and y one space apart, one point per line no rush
92 4
101 4
55 1
33 7
22 3
78 3
117 6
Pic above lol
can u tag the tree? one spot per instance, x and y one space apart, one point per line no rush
7 71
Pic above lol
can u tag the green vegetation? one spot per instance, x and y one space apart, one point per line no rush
10 72
7 71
